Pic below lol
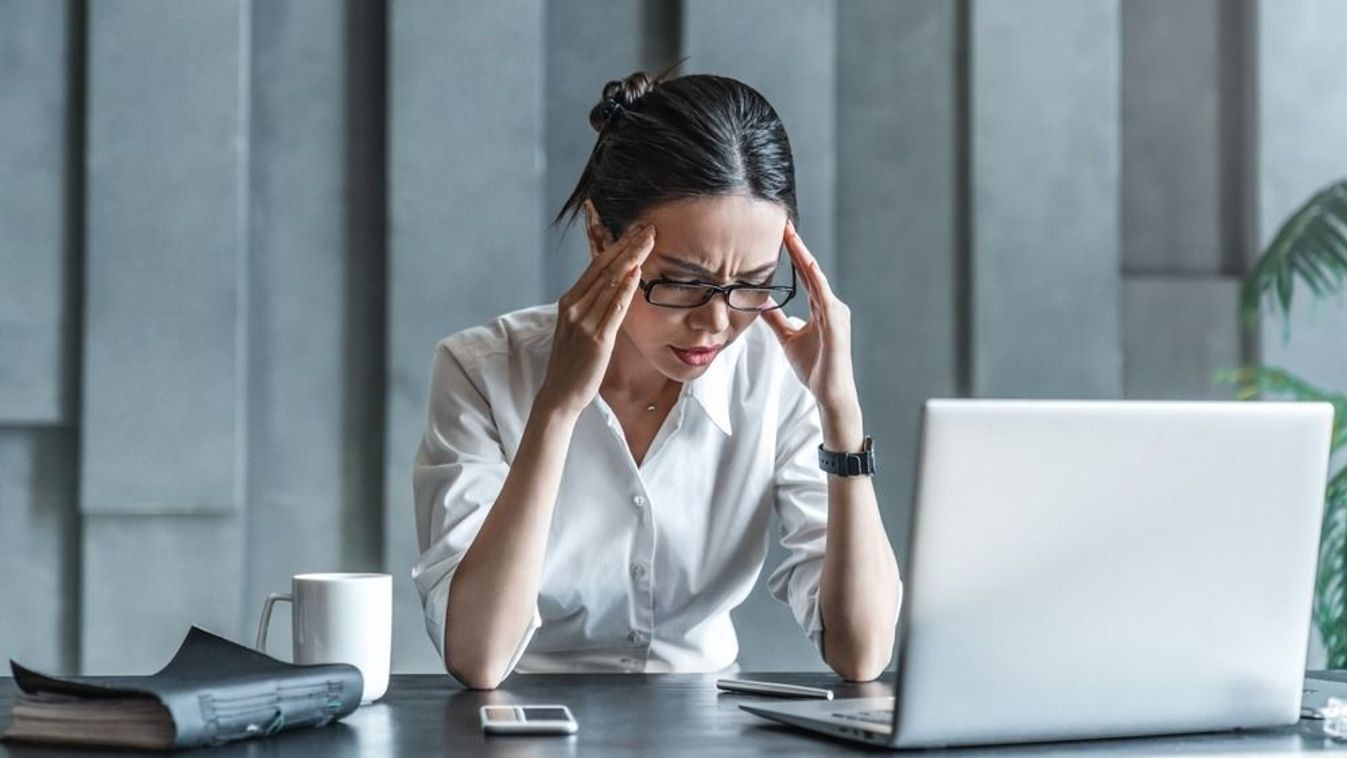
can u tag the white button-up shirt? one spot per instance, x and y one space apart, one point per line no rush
643 563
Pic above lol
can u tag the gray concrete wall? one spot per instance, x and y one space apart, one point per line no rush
1044 142
1184 89
36 245
1302 147
161 423
1172 131
315 296
39 548
465 223
231 233
39 526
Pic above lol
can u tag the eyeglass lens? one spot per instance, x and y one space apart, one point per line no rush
692 295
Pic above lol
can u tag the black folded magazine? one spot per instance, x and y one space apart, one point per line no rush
213 691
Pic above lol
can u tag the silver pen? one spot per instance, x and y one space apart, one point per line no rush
772 688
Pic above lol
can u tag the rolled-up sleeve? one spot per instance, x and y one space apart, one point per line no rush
458 472
801 503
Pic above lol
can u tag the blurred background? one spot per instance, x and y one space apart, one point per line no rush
231 232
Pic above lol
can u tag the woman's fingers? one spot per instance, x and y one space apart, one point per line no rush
605 258
609 277
612 317
806 263
615 286
816 285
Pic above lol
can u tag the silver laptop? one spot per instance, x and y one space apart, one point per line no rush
1093 569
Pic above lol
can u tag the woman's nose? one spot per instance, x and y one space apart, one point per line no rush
711 317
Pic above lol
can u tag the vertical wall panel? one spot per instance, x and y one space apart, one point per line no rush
147 579
787 51
1172 135
313 206
1179 231
588 44
1179 333
161 388
35 313
897 222
466 175
1045 236
39 548
162 411
1302 129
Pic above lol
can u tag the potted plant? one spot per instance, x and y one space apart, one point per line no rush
1310 248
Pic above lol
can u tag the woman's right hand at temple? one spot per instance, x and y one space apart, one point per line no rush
494 591
588 317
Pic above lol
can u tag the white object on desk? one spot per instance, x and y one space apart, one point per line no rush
528 719
773 688
340 618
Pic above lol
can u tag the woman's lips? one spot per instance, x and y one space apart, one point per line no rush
696 356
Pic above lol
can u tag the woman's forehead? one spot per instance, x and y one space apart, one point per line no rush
722 234
698 266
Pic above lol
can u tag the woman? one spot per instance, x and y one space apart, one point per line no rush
595 483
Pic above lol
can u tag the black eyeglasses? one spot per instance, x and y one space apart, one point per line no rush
669 293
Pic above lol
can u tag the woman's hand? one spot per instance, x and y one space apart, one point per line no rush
820 350
588 317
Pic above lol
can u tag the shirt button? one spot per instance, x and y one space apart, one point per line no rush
638 500
637 570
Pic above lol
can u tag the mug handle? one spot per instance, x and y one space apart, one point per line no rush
265 624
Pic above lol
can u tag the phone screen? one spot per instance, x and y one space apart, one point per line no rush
527 713
545 713
503 713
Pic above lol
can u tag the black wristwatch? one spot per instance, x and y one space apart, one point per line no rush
849 464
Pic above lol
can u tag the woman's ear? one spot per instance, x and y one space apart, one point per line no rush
595 232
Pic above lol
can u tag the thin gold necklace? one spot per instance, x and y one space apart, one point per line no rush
653 405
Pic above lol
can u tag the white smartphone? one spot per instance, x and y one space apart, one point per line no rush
528 719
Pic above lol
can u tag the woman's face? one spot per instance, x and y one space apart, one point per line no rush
719 239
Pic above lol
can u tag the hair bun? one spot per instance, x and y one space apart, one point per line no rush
619 93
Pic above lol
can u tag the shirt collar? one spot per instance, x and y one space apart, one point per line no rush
711 390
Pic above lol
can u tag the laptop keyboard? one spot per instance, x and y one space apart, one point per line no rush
882 716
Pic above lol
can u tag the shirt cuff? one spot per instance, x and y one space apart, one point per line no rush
815 628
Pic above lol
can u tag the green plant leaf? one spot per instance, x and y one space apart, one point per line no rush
1265 381
1330 586
1311 245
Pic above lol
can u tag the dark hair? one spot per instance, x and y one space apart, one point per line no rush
689 136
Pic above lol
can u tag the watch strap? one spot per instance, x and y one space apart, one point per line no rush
849 464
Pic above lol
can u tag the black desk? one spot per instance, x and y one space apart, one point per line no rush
672 714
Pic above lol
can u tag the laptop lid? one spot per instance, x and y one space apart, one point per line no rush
1087 569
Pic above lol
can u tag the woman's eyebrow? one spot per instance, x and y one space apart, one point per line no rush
693 268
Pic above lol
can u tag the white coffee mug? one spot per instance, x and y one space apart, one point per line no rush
340 618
